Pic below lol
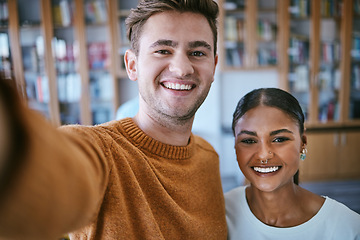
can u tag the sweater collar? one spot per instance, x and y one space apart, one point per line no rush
149 144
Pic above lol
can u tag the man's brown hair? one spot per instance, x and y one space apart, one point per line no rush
146 8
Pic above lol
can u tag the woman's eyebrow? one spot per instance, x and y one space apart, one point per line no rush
280 131
247 132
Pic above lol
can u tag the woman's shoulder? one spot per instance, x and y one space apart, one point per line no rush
235 193
345 223
235 199
341 211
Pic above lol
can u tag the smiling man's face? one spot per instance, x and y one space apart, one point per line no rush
175 65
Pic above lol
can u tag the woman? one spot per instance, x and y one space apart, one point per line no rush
270 140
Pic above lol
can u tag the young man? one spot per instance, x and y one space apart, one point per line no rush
145 177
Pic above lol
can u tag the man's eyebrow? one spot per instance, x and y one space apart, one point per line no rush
280 131
164 42
196 44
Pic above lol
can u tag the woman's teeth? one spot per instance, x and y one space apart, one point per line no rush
266 170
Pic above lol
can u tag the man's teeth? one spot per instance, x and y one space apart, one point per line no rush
266 170
177 86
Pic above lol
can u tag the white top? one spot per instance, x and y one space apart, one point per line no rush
333 221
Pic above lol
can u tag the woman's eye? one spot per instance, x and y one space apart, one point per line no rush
280 139
248 141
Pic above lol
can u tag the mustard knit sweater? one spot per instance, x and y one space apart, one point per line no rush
112 181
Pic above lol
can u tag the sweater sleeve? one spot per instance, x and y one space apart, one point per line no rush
56 181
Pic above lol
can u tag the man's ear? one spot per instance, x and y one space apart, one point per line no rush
130 64
216 62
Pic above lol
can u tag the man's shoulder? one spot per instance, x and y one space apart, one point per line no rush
108 130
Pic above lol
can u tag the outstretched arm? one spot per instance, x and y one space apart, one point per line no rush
11 133
51 181
5 135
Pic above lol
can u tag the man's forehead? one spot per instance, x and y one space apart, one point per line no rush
173 20
174 28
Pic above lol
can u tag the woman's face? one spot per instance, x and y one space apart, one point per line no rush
268 144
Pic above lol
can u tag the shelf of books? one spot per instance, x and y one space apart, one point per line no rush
68 68
234 34
6 68
318 60
33 56
68 77
329 72
99 60
124 7
299 53
267 47
354 106
250 34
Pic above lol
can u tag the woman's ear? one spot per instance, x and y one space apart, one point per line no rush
130 64
304 139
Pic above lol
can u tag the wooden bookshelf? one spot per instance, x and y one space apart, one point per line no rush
248 35
318 55
78 31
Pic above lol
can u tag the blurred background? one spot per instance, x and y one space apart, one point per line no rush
66 59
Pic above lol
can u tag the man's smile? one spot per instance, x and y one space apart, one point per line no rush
178 86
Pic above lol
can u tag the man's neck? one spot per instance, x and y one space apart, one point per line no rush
169 133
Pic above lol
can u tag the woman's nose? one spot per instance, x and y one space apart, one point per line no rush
265 152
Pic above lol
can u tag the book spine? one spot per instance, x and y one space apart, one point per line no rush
65 13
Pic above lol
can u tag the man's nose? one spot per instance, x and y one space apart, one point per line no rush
181 65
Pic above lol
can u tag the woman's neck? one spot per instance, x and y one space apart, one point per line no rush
288 206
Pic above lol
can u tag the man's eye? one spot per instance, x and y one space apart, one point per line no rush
197 54
162 52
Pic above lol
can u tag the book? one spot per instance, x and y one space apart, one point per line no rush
65 12
98 55
231 29
42 89
100 11
301 83
96 11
